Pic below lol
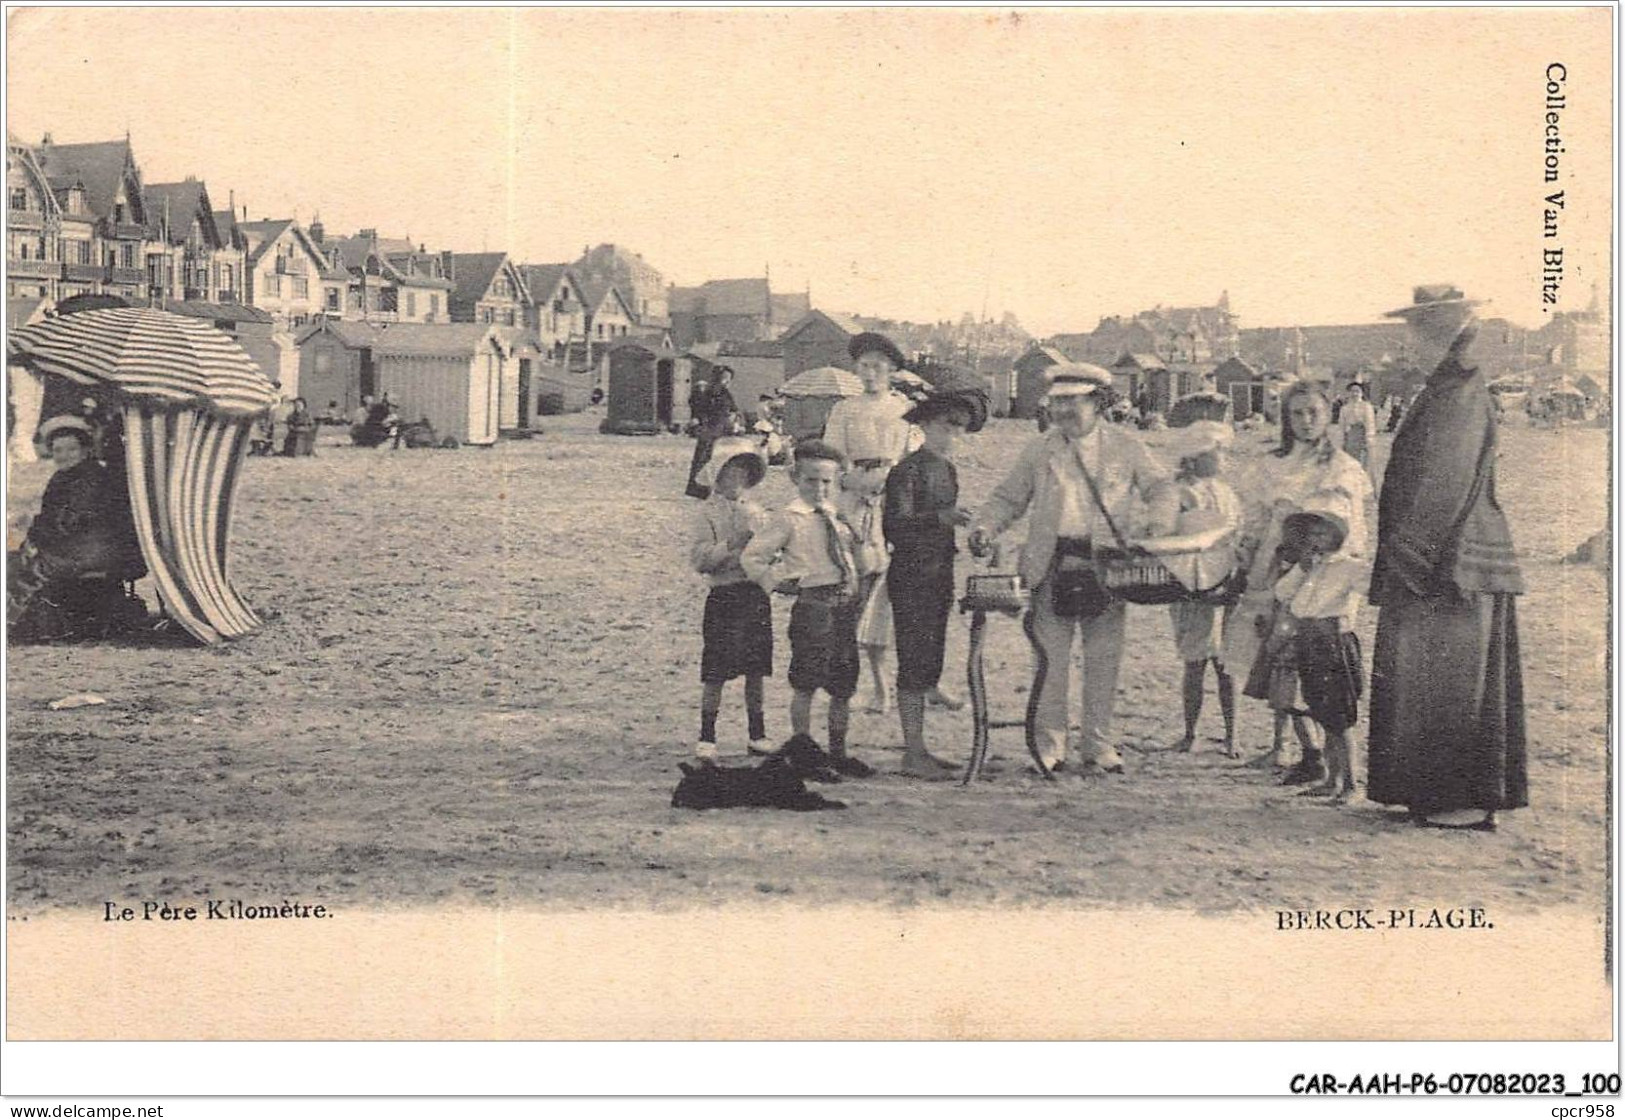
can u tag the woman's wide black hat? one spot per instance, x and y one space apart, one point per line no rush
952 391
863 343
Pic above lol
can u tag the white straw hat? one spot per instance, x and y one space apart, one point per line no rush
1076 379
729 448
1201 436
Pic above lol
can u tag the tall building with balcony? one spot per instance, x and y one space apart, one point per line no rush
35 227
78 222
205 260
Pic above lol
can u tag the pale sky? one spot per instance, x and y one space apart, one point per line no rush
1062 165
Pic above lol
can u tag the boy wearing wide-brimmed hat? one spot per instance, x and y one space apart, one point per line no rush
921 512
1321 595
738 620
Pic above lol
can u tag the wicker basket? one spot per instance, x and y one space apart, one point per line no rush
1196 567
1003 593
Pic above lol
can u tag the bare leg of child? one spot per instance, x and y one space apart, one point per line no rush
1340 752
1272 757
880 701
710 703
753 713
839 718
1312 768
801 713
1195 675
1306 736
918 762
1336 767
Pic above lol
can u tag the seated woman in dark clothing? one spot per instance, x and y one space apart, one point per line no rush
383 423
374 426
67 579
301 437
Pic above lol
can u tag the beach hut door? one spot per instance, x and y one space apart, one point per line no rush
1241 400
524 392
663 390
369 376
493 397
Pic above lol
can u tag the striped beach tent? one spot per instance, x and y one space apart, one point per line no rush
190 397
810 395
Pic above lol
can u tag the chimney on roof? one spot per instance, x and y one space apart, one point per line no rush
231 198
370 234
446 264
317 232
45 141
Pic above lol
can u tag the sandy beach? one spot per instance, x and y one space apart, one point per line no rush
480 672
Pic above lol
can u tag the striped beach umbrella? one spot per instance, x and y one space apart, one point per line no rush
191 396
149 355
826 381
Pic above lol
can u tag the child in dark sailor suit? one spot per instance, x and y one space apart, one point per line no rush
921 513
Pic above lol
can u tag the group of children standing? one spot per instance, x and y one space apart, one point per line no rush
1308 665
861 530
858 529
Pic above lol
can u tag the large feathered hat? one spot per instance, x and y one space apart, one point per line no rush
1433 298
952 391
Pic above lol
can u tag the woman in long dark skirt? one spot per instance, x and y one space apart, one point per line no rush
1447 716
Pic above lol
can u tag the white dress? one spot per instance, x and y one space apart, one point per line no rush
1292 479
871 426
1195 635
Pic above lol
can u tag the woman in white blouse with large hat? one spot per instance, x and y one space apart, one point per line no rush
1308 462
870 432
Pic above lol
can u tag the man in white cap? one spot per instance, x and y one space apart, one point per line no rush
1051 482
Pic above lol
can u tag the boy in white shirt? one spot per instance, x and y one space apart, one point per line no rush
806 551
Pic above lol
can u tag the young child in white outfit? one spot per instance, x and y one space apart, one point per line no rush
1321 594
1205 501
